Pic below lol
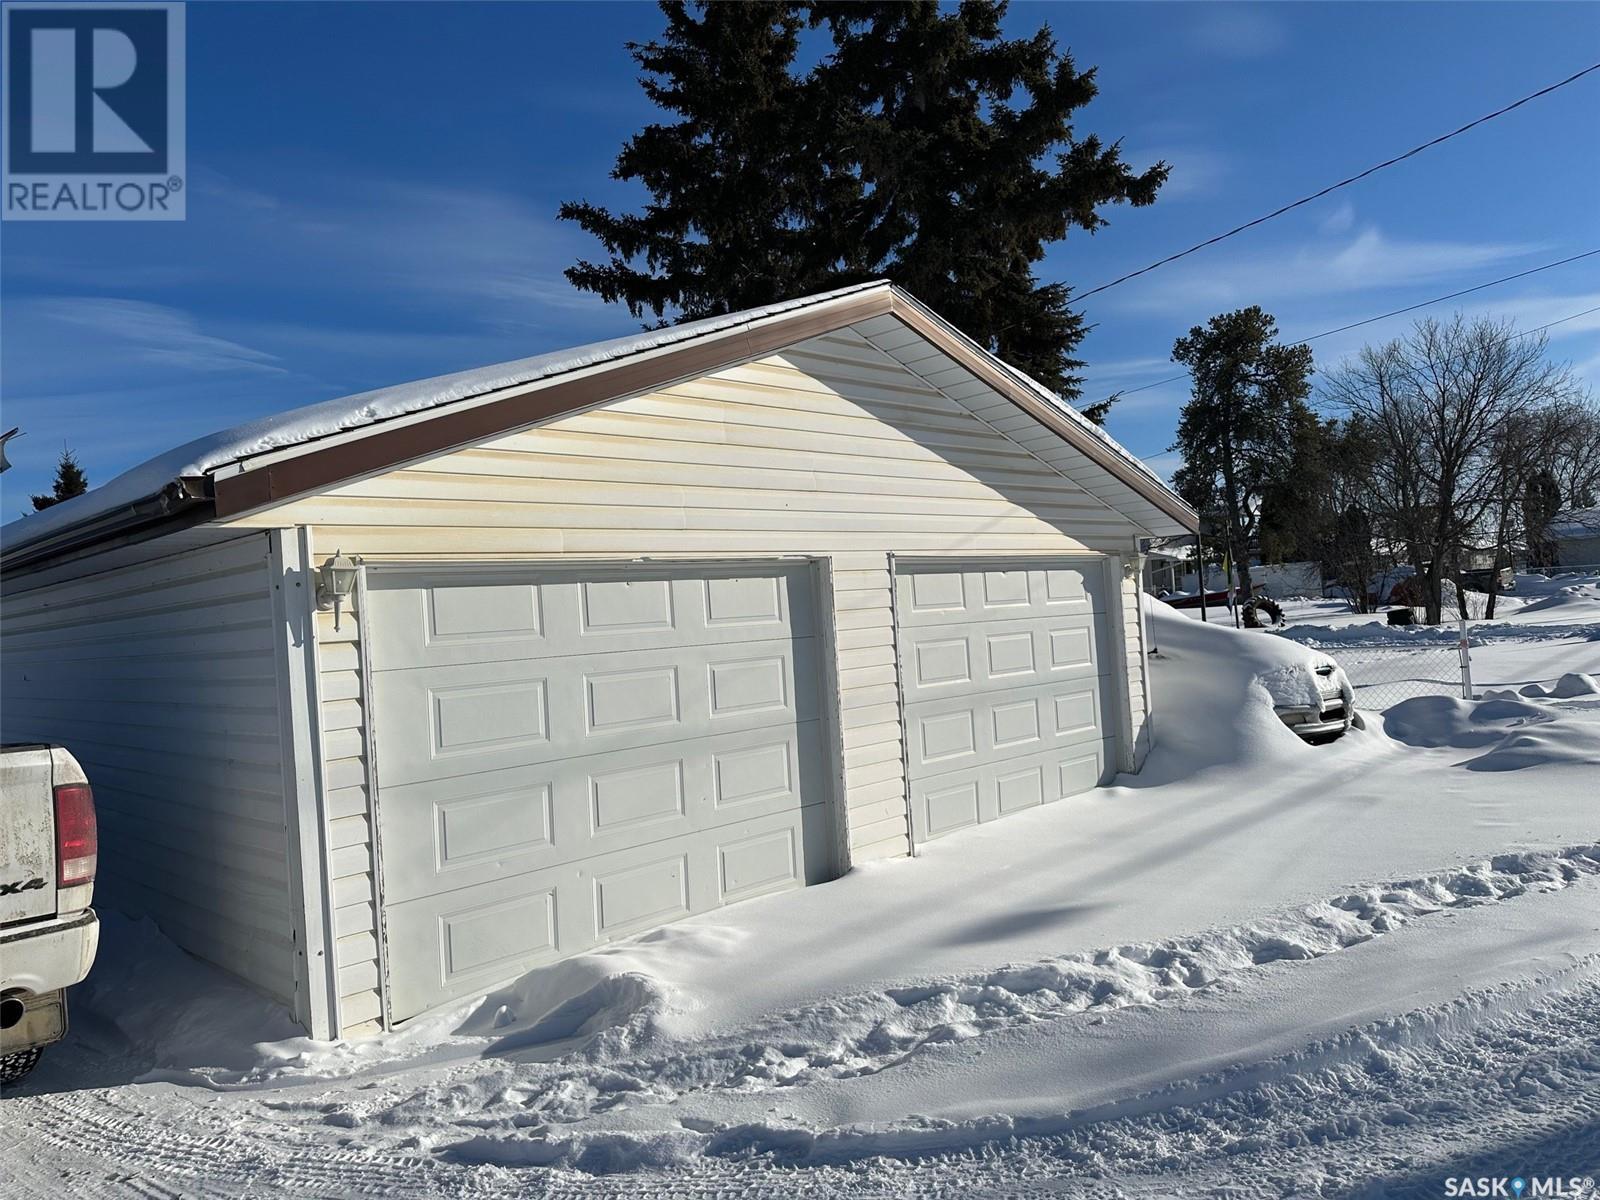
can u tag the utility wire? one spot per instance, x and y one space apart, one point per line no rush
1410 308
1441 299
1333 187
1562 321
1523 334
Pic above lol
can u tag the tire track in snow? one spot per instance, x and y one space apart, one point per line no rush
206 1152
871 1032
375 1141
1500 1082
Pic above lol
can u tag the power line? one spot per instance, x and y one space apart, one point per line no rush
1333 187
1441 299
1523 334
1562 321
1410 308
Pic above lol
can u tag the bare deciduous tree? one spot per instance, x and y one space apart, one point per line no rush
1444 405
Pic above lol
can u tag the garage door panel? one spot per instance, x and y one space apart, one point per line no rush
955 595
493 617
440 722
567 758
985 656
464 941
1004 674
953 732
442 835
987 791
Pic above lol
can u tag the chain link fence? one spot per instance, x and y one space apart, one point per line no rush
1384 674
1387 667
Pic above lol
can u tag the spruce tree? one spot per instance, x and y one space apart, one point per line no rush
70 481
923 146
1246 417
1541 504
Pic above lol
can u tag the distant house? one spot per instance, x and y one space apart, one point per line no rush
1576 538
389 699
1169 568
1282 581
1166 562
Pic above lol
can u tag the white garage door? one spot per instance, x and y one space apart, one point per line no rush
1007 687
567 758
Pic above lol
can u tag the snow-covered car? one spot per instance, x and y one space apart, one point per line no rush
1314 699
1308 692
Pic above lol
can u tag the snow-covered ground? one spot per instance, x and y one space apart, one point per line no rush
1257 968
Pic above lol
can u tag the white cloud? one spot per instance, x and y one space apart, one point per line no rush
1237 30
1118 369
1196 171
1340 220
154 334
1368 261
1535 311
1588 369
480 245
1162 399
497 259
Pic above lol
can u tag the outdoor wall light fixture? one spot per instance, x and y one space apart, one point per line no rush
336 579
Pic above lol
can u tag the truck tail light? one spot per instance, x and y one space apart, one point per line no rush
77 838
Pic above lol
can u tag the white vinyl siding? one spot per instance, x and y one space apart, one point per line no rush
161 678
1138 679
831 448
350 849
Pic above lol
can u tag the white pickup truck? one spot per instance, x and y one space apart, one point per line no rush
49 847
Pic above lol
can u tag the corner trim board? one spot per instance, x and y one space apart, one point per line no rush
370 762
305 802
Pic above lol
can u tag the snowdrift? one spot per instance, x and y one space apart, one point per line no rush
1513 734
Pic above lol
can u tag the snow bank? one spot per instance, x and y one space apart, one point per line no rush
1513 734
857 1036
1570 686
595 1001
1377 635
172 1010
1539 583
1565 597
1373 633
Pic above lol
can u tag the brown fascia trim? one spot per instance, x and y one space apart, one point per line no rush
386 449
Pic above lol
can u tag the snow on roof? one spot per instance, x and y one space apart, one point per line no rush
316 421
1577 523
300 425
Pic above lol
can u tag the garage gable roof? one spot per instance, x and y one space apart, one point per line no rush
265 462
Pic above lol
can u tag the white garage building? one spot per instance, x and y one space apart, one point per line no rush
632 631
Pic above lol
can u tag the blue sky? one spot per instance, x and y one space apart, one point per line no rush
373 190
